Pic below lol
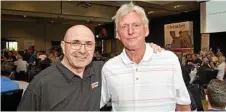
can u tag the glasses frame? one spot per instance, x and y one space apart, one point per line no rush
85 45
133 26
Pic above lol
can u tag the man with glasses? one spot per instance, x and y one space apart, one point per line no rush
74 84
138 79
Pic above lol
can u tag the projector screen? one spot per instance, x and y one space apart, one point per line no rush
213 16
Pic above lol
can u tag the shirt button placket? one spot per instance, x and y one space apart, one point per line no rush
134 85
137 86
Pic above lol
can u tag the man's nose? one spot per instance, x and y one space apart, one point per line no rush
82 49
131 31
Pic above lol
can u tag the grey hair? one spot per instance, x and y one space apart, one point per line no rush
216 93
126 8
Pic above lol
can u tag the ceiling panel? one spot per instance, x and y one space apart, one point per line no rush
96 12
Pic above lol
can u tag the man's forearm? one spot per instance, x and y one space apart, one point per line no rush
183 107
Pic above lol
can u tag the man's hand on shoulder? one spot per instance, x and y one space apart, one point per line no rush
156 48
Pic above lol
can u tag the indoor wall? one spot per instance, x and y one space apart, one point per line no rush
41 33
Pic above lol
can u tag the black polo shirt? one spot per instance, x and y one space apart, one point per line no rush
57 88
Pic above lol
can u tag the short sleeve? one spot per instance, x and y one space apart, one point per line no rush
181 92
105 96
30 101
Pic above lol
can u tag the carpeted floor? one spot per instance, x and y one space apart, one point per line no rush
204 103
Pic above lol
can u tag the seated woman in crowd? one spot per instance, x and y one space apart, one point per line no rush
221 68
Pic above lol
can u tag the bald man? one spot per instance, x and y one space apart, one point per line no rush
74 84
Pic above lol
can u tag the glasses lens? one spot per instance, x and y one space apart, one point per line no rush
89 46
78 46
75 45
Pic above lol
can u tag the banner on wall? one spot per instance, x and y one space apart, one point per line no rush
179 36
205 41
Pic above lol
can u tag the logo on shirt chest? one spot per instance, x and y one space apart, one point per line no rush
94 85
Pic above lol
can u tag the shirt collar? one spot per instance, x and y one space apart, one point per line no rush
147 55
89 71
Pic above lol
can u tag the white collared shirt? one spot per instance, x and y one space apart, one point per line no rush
155 84
21 65
221 71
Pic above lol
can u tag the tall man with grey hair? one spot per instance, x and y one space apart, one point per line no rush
138 79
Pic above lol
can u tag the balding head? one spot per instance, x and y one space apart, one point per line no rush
78 30
78 47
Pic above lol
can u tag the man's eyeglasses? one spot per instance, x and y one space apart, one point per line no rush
133 26
76 45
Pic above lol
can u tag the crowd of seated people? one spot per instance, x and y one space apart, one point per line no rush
199 69
204 60
102 57
30 62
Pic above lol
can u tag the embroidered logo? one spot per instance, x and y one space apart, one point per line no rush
94 85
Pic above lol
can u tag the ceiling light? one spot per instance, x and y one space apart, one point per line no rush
52 21
87 20
177 6
25 16
99 24
150 12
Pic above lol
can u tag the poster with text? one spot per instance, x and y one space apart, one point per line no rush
179 36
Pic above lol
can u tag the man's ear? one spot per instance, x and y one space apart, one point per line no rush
147 31
117 35
63 46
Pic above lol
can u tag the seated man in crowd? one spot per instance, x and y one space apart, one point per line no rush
42 55
195 60
11 57
205 64
6 83
216 95
21 65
